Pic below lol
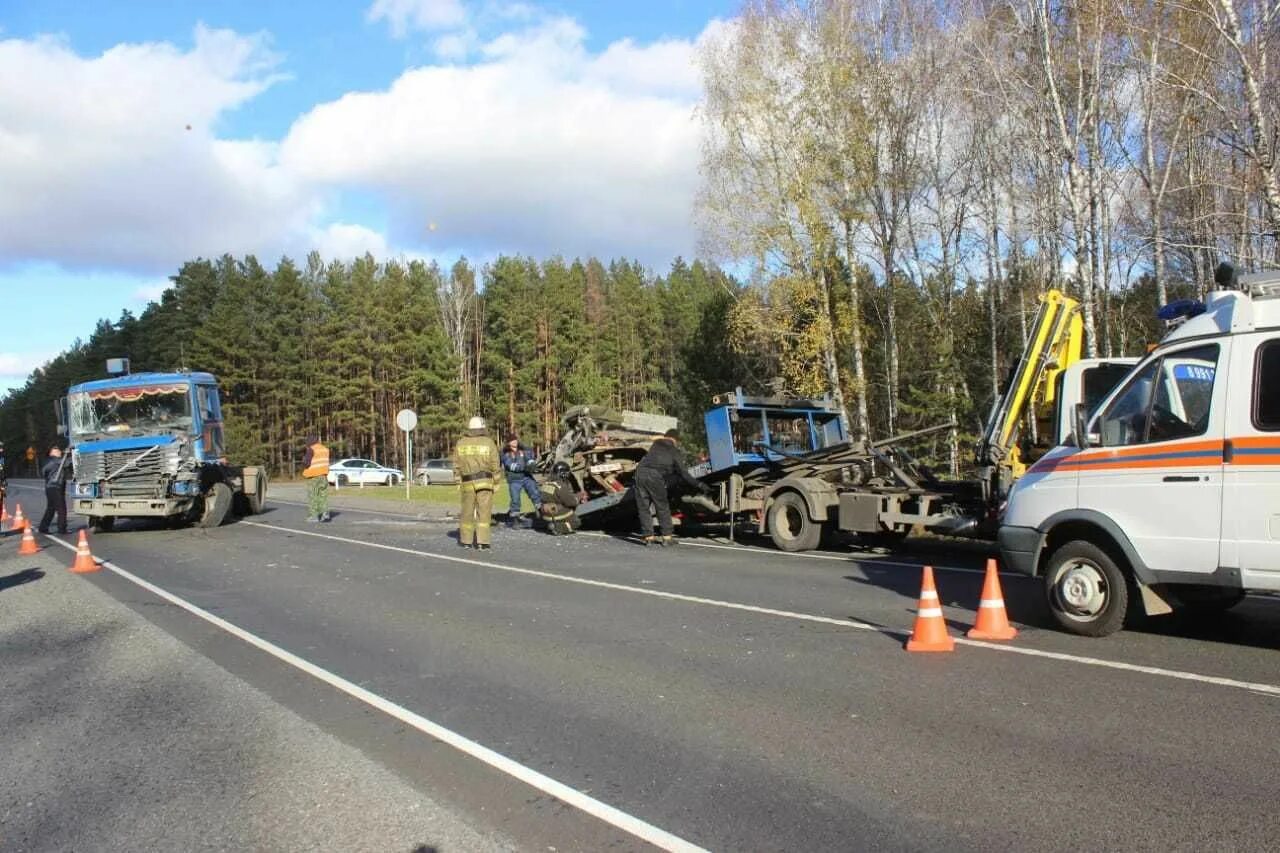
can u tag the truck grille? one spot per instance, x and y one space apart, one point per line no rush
146 478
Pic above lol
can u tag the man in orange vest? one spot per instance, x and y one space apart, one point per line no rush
315 470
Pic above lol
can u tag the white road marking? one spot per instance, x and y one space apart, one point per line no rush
1257 687
603 811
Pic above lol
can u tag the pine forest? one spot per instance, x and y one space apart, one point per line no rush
886 189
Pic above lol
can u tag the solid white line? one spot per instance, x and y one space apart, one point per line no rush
1257 687
607 813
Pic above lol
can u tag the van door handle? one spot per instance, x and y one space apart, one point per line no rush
1228 452
1176 478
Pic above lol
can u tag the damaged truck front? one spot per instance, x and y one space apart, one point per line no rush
150 445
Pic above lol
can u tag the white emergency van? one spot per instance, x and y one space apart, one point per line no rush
1169 495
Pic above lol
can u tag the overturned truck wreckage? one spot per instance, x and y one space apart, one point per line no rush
602 448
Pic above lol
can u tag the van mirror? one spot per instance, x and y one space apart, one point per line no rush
1080 427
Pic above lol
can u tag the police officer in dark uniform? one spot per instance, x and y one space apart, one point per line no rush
55 472
661 468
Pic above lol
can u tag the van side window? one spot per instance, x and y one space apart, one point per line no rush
1266 387
1168 399
1125 420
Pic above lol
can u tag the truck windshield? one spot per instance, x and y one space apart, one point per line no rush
129 410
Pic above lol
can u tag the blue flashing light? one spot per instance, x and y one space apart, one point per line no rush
1181 309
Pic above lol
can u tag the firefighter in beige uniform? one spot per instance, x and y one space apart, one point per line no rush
476 463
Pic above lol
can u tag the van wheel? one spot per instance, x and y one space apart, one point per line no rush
1087 592
790 526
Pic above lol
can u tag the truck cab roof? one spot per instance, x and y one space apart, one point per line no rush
133 380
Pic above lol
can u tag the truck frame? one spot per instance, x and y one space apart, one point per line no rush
789 464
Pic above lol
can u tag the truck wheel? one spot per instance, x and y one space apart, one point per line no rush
258 499
1087 592
217 501
103 523
790 526
1207 600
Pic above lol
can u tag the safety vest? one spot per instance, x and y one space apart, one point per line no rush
319 466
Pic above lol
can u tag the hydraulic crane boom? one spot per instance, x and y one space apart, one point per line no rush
1055 342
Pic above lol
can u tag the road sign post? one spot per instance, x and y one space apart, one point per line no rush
407 419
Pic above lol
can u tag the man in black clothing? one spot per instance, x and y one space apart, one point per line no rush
661 468
55 473
560 499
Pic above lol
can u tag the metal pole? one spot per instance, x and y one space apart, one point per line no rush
408 462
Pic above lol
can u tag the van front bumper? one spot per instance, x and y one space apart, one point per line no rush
1020 548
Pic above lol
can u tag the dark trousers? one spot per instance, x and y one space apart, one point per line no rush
55 501
529 486
651 499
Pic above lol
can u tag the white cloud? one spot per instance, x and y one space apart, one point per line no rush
150 292
541 147
345 241
406 15
18 365
112 160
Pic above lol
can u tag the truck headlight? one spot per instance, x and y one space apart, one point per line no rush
86 490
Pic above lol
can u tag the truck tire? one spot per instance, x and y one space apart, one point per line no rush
102 523
217 502
258 499
1087 593
245 504
790 526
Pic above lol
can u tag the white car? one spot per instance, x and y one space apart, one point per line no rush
365 472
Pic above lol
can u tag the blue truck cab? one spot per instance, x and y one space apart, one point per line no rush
747 432
151 445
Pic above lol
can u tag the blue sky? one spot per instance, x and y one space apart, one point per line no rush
137 134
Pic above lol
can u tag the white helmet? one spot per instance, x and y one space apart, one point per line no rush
476 423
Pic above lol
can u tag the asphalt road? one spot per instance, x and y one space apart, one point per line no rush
731 696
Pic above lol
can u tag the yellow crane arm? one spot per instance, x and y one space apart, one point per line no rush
1055 342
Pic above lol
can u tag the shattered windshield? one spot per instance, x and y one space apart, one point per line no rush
128 411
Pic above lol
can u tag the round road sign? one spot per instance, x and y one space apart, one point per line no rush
406 419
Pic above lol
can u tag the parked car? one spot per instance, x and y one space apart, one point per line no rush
366 472
435 471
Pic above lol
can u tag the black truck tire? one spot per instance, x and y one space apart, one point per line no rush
102 523
790 526
1087 592
258 499
217 502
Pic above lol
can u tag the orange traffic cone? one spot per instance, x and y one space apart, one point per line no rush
28 544
930 633
993 622
19 522
5 518
84 559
